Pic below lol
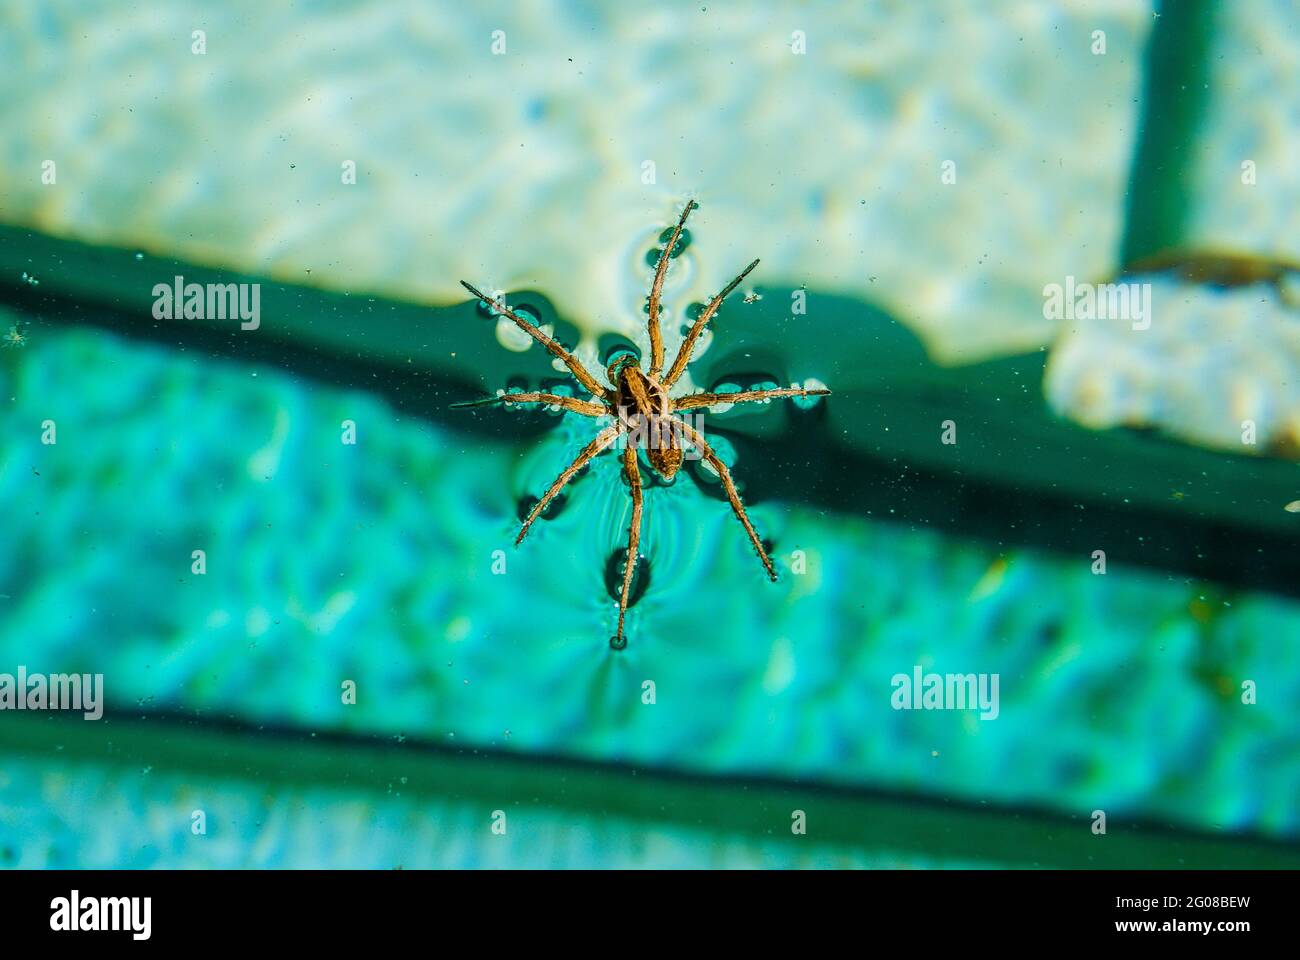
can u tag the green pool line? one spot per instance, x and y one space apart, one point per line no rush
758 808
886 412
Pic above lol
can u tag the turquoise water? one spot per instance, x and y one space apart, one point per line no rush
374 563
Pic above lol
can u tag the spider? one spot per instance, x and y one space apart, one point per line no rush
14 336
639 404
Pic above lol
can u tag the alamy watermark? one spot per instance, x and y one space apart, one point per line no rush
660 432
946 691
76 913
1098 301
55 691
179 300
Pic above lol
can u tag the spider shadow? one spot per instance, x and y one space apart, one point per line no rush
873 447
868 449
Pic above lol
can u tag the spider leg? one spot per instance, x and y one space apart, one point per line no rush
697 441
633 539
603 440
570 361
585 407
684 353
656 289
746 396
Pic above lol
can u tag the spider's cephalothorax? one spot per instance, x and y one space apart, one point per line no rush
638 403
646 414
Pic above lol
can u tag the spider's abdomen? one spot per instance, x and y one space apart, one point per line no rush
666 460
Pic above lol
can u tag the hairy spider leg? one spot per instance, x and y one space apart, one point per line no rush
730 487
587 408
745 396
603 440
656 289
570 361
684 353
633 539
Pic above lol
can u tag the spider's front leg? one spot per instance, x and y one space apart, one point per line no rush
688 345
656 291
619 641
569 360
588 408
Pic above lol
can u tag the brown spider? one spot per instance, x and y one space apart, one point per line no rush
641 409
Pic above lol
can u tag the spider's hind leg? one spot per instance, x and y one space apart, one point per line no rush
619 640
